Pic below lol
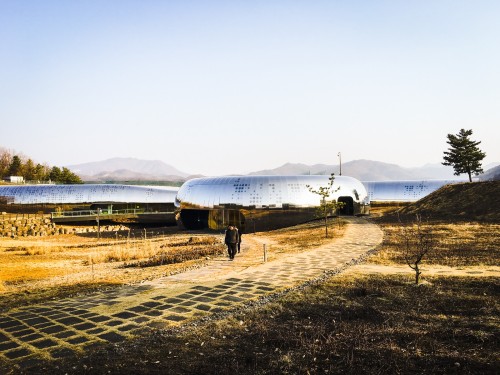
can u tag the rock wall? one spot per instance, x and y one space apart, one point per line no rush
36 226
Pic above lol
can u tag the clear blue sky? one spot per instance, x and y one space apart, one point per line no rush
220 87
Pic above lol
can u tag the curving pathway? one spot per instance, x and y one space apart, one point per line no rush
65 327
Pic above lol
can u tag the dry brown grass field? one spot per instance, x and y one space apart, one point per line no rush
34 269
371 319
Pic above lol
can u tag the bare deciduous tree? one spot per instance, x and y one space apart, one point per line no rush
326 207
416 240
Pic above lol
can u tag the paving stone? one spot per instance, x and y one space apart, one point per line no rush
53 329
212 294
185 295
70 320
24 332
9 323
65 334
84 326
165 307
232 298
95 331
138 309
153 313
8 345
114 323
15 328
43 344
59 315
80 312
151 304
21 315
265 288
77 340
32 337
3 338
125 315
173 300
99 318
187 303
203 299
40 310
17 353
203 307
179 309
88 315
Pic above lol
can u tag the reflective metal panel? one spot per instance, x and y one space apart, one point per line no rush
262 202
43 194
403 191
264 191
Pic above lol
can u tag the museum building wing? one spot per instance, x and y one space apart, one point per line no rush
263 202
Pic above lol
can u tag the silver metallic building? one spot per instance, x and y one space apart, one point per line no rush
403 191
98 193
262 202
84 203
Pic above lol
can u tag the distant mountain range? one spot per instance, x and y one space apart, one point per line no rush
123 169
130 169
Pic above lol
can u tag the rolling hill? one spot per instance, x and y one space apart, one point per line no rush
465 201
121 169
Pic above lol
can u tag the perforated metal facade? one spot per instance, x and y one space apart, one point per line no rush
403 191
73 194
268 201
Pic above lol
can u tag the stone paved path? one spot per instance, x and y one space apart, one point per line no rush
61 328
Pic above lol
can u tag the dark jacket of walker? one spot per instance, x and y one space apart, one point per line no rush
232 236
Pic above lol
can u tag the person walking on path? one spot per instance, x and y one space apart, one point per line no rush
231 240
239 239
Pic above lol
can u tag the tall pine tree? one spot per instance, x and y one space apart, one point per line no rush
463 154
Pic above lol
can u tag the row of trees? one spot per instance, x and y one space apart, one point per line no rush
16 165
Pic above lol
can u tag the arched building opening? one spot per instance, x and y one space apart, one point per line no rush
194 219
348 208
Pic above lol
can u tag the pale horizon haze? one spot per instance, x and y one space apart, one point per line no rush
222 87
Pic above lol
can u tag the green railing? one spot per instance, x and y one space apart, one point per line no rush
104 212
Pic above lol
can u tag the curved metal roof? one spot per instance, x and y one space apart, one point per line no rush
403 191
264 191
40 194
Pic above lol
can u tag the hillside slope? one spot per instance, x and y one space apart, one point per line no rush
466 201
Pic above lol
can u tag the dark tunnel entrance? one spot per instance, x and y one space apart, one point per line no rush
195 219
348 208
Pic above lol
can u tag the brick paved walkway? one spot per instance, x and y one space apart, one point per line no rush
61 328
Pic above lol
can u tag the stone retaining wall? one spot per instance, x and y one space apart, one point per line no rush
19 226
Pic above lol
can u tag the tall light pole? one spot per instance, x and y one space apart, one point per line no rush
340 162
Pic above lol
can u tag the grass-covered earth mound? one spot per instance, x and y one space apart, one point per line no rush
463 201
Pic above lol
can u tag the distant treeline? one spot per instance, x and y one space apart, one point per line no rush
16 165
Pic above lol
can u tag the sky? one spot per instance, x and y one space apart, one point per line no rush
222 87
